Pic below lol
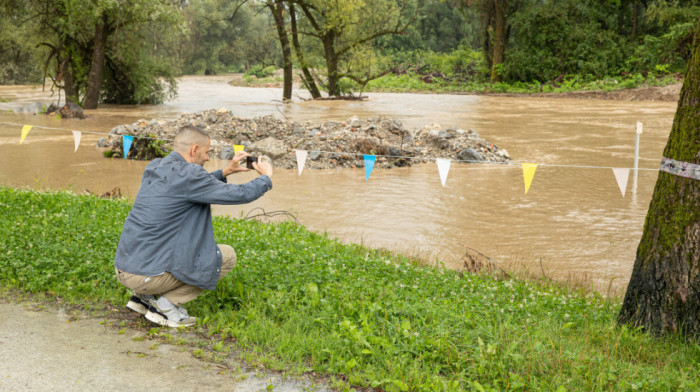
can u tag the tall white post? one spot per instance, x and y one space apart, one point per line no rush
636 156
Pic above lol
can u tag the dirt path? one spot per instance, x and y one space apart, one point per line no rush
50 350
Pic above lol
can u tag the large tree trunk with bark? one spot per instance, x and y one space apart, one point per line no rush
664 291
277 9
331 63
499 38
308 78
69 87
97 65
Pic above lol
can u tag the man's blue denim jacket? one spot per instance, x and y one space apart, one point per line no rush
169 228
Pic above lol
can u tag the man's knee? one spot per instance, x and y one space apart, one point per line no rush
228 259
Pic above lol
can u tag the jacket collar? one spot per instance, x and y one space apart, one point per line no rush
175 156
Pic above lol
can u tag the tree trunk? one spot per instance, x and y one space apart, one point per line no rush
499 41
69 85
331 63
635 12
308 78
97 65
277 9
486 42
664 291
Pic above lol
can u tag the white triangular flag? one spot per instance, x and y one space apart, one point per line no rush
301 159
621 175
76 136
443 167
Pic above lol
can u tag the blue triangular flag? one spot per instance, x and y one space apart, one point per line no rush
369 165
126 143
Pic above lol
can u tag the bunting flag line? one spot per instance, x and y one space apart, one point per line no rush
528 174
680 168
236 149
443 168
76 137
621 175
369 165
301 159
671 166
127 140
25 131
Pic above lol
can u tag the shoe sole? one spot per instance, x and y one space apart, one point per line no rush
161 320
137 307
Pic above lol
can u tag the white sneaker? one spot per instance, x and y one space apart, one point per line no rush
139 303
174 317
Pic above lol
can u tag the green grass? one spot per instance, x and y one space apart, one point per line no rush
413 83
301 301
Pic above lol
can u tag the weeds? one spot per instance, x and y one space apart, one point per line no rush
304 302
414 83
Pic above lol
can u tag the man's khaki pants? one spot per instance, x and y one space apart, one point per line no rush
176 291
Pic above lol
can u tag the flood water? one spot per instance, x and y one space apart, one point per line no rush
573 222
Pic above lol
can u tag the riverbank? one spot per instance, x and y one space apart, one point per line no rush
302 302
665 89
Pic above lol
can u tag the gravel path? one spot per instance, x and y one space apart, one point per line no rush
48 349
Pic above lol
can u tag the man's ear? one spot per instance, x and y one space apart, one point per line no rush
193 150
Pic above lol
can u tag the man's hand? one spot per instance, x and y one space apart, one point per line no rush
233 166
263 168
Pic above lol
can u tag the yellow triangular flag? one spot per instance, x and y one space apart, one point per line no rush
237 148
25 131
76 137
528 174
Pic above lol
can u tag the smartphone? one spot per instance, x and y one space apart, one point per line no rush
249 161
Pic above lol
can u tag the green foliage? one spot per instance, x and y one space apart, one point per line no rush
139 43
259 71
567 39
227 36
19 59
439 27
365 318
669 51
462 62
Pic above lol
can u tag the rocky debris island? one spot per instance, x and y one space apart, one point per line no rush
329 144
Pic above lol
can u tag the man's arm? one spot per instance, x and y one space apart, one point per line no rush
204 188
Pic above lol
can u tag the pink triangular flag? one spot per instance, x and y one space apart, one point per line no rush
621 175
76 136
301 159
444 168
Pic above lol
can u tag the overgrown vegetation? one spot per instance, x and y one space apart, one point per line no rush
481 45
304 302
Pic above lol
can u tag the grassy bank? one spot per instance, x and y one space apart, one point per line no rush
304 302
415 83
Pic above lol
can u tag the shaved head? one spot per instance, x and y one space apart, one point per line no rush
188 136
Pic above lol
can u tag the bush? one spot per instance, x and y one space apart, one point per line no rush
261 72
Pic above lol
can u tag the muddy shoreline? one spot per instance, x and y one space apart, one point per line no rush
669 93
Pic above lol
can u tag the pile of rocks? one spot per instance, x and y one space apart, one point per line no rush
330 144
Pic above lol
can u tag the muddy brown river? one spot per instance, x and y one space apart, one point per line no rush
573 223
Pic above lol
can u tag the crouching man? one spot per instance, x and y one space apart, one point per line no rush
166 253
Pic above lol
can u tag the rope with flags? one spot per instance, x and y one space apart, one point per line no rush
621 174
